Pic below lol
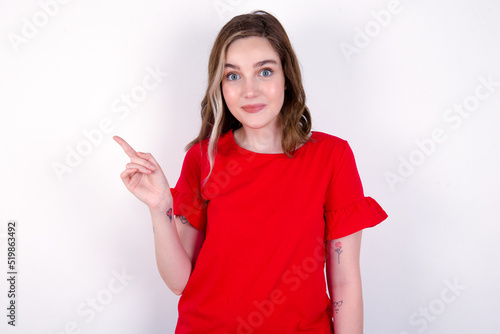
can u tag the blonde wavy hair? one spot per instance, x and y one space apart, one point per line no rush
294 116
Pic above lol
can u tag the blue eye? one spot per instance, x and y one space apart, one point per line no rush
232 76
266 72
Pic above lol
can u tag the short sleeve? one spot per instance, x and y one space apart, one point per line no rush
186 193
347 210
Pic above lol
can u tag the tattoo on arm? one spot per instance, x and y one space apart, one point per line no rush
169 214
337 305
338 250
183 219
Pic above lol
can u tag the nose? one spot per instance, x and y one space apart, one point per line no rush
250 88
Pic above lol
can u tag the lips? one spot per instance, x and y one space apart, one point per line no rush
253 108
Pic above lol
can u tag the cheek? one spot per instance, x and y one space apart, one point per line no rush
276 91
230 94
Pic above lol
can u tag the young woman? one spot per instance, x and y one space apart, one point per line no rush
262 203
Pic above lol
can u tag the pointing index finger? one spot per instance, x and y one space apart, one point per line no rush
126 147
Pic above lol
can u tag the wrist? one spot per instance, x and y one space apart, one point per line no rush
161 208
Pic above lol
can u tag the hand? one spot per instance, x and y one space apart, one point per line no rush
144 178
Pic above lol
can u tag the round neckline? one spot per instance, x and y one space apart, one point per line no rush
233 141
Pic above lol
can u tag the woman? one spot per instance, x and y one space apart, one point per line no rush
262 203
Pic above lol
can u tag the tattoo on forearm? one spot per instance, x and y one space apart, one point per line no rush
183 219
169 214
337 305
338 250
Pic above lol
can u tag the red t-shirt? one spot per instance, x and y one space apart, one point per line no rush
265 219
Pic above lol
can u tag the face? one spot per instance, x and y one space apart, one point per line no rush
254 83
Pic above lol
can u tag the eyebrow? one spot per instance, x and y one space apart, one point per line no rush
258 64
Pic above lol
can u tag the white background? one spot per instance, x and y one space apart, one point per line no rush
77 231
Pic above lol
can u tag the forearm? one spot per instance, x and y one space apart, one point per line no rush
347 304
344 283
172 260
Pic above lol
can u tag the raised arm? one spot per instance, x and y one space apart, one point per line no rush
177 242
344 283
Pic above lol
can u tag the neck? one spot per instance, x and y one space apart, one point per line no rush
266 140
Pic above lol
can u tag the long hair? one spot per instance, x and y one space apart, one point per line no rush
294 115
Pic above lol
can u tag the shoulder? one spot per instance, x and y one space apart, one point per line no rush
327 142
199 150
323 136
196 152
202 146
328 151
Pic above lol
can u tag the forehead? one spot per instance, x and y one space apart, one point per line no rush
250 50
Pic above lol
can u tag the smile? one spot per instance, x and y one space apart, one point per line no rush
253 108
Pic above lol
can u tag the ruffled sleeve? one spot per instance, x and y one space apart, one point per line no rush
347 210
186 193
